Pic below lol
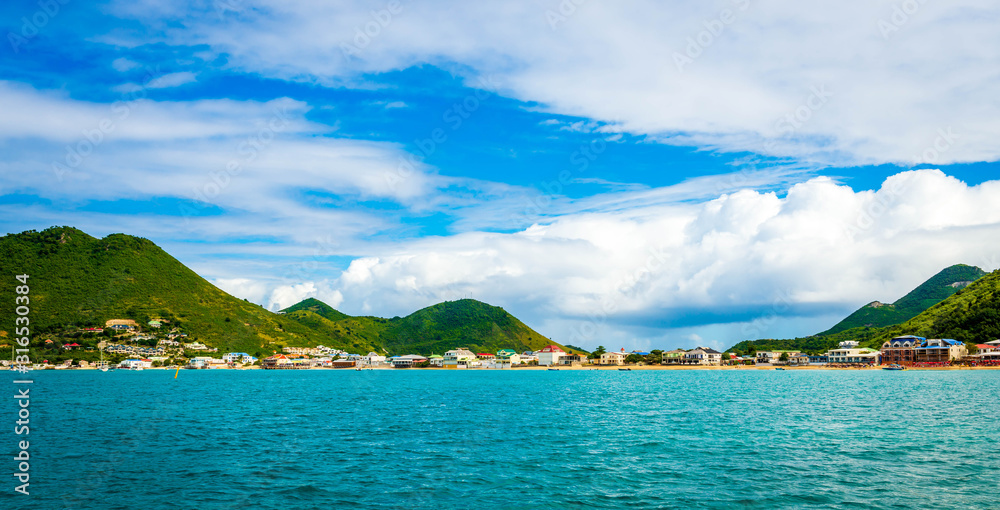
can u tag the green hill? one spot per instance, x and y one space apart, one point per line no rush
432 330
971 315
318 307
870 325
76 280
928 294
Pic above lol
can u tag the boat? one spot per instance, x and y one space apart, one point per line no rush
779 368
553 369
894 366
624 369
103 364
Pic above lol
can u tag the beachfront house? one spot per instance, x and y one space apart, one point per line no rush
900 350
848 353
674 357
436 360
703 356
508 357
772 357
550 355
799 360
571 359
459 358
372 359
614 357
238 357
136 364
940 351
408 361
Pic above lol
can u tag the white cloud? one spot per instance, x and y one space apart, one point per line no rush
123 64
172 80
765 264
825 82
51 115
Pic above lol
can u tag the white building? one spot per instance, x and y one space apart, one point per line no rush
614 358
372 359
133 364
459 358
238 357
849 353
410 360
550 355
703 356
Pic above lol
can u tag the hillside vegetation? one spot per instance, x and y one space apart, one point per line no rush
432 330
933 291
965 312
78 281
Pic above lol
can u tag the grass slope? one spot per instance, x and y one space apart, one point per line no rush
78 280
933 291
971 314
432 330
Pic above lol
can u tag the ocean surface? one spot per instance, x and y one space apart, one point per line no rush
508 439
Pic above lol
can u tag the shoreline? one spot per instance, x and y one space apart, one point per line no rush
560 368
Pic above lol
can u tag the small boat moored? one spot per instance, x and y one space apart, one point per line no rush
894 366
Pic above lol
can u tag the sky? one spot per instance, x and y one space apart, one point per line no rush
628 174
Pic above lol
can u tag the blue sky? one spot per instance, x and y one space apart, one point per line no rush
635 176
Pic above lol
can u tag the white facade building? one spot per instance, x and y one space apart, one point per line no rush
550 355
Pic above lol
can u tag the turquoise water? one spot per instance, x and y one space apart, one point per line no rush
509 439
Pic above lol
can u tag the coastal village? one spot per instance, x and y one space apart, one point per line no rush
160 347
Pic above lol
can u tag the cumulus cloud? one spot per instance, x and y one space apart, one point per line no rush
851 82
746 259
